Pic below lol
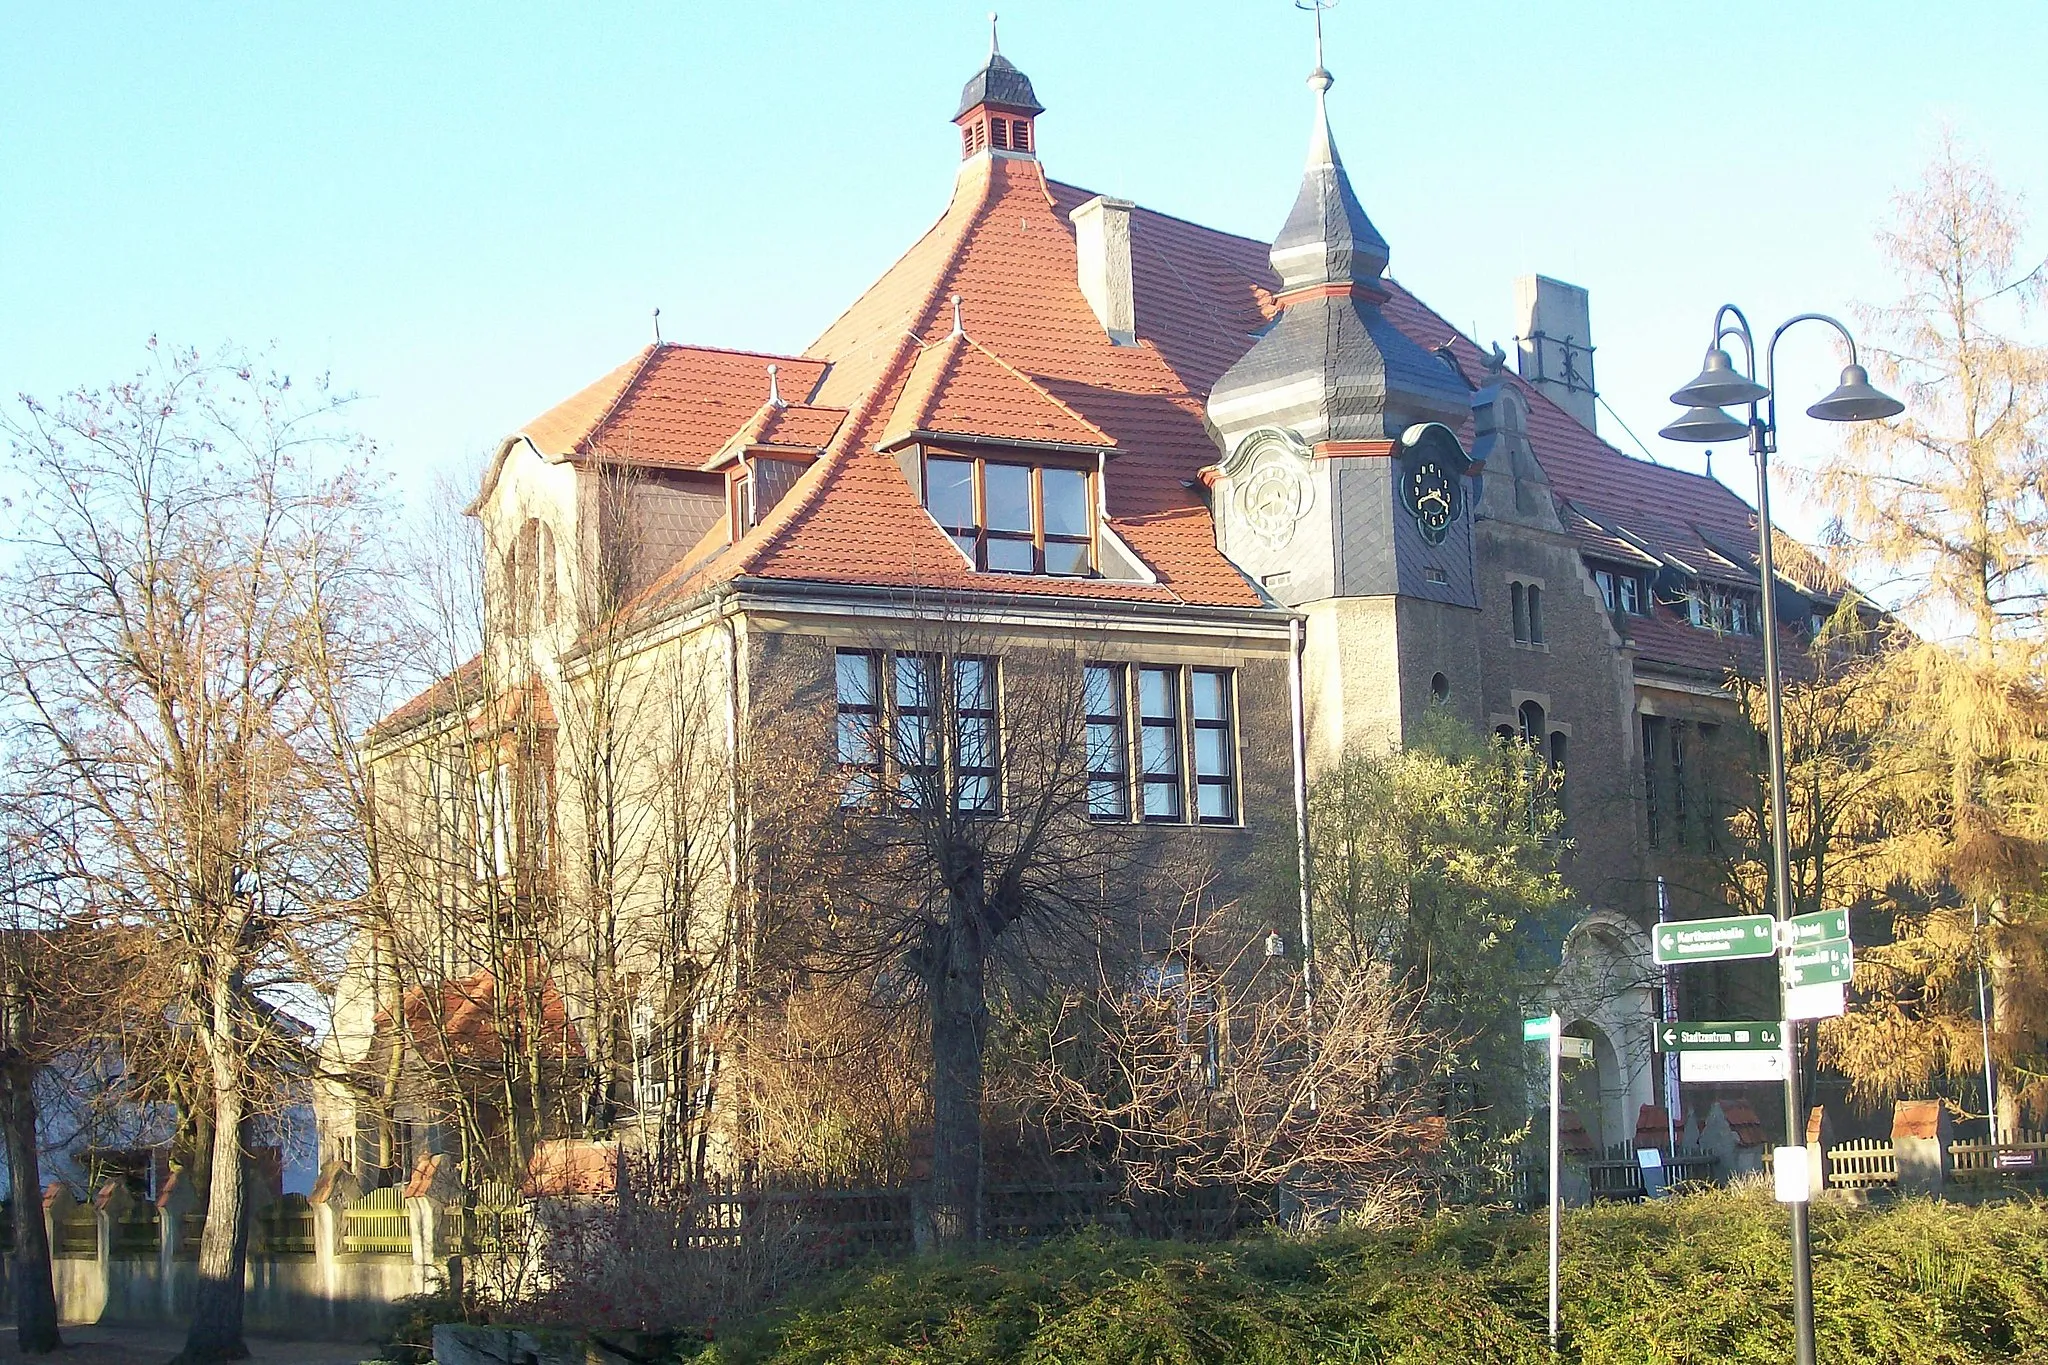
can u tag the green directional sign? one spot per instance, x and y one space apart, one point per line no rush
1819 964
1537 1030
1730 1036
1713 940
1823 926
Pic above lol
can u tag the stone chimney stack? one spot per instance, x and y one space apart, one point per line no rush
1555 326
1102 243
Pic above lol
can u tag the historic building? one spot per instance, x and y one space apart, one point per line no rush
1277 504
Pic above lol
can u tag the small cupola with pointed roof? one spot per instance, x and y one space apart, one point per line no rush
998 108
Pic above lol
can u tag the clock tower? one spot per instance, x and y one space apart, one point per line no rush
1343 489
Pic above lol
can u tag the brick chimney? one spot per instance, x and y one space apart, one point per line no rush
1102 246
1554 322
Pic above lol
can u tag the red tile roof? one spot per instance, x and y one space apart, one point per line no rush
670 405
462 1025
961 388
1039 366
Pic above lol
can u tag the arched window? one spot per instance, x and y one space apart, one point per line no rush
1521 613
546 573
1531 716
1439 686
1535 615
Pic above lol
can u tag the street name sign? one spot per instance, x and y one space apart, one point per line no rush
1696 1068
1733 1036
1575 1049
1823 926
1538 1030
1714 940
1823 962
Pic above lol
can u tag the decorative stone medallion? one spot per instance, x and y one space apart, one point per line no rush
1274 494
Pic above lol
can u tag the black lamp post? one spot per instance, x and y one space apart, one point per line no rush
1705 399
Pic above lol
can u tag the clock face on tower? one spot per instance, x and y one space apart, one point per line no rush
1433 496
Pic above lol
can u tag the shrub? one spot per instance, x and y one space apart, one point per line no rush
1702 1280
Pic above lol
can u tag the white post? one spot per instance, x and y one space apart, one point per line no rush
1556 1052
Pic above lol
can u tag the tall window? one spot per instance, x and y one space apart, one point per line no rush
916 746
975 737
1215 769
1525 603
1014 518
1159 742
1653 778
860 726
1109 759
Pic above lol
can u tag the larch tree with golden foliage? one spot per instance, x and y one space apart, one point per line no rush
1947 507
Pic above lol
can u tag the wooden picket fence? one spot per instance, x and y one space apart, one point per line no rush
377 1223
1862 1164
2024 1158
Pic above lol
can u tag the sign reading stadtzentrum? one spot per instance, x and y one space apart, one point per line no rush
1735 1036
1714 940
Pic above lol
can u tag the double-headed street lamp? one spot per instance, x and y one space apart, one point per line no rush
1705 401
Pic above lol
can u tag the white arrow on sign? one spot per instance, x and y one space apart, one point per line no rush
1698 1067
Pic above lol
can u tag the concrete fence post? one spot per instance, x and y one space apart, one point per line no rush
433 1199
57 1197
1921 1131
176 1199
333 1192
110 1208
1820 1135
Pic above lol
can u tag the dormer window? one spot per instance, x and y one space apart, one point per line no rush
1014 518
1621 590
1732 611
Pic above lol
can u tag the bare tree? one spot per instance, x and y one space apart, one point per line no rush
966 860
1204 1067
196 625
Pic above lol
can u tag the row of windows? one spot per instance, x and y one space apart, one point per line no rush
1181 714
920 732
1014 518
920 729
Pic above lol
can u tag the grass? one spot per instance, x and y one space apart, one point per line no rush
1703 1280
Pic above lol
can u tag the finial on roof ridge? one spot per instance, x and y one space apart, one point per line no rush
1321 148
995 49
657 327
959 329
775 398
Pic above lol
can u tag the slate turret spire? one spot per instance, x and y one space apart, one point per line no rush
1327 238
1332 368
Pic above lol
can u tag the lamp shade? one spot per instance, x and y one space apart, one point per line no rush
1854 400
1719 385
1705 425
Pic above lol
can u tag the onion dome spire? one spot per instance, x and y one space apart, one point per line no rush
1327 238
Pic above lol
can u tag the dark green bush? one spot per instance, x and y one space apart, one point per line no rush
1703 1280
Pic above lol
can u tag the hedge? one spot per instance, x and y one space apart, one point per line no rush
1702 1280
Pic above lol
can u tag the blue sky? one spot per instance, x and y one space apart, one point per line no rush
466 212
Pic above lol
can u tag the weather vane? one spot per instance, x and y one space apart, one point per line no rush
1316 7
